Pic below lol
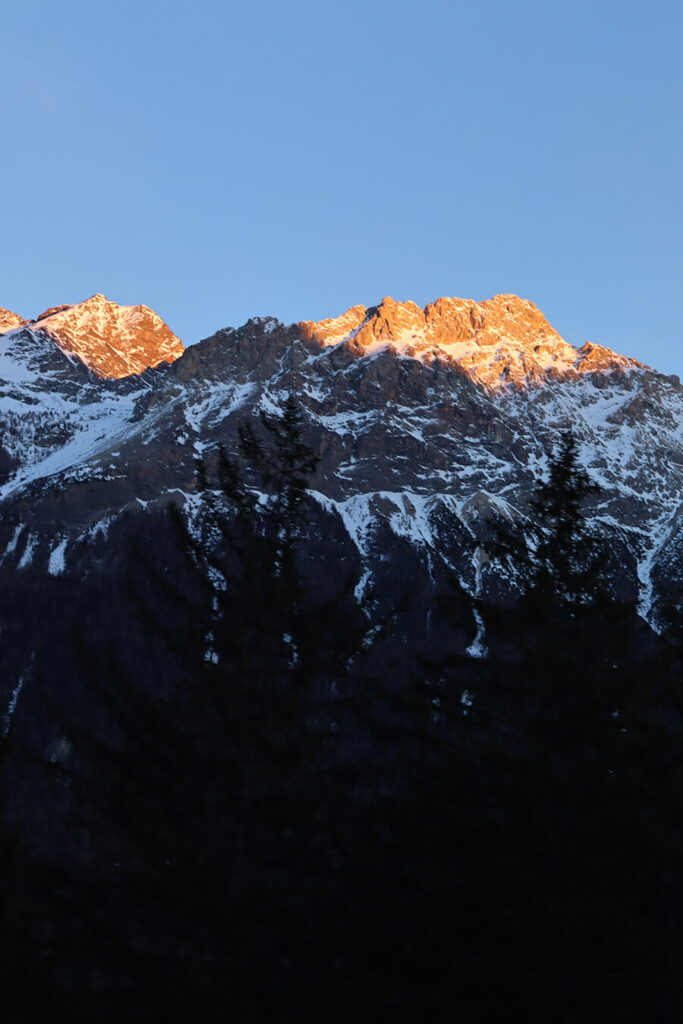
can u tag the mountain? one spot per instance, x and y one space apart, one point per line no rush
112 341
224 777
8 320
429 425
500 342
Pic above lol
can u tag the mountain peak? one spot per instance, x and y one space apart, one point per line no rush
503 341
9 320
113 341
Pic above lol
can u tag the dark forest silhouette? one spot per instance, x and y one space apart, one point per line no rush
269 823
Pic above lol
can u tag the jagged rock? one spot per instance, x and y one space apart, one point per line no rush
9 321
428 423
503 341
112 341
52 310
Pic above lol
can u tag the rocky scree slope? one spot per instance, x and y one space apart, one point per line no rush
428 423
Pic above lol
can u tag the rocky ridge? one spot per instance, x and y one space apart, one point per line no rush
500 342
9 320
427 422
112 341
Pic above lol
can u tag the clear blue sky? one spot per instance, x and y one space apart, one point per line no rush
218 160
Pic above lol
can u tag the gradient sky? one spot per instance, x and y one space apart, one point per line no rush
220 160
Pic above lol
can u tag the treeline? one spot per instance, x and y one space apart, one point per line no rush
263 815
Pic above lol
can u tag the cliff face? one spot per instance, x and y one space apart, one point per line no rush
111 340
8 320
503 341
499 343
427 422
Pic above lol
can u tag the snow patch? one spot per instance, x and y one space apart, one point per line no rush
27 556
56 563
12 546
12 706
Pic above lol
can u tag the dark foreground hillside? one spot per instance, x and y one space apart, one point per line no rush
230 794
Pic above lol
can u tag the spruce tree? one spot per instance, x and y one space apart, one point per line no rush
585 784
209 798
567 562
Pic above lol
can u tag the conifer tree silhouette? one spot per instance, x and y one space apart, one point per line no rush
208 805
567 560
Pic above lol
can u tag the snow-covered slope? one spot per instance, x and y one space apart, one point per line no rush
54 412
427 423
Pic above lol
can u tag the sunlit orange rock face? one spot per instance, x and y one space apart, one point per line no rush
8 320
113 341
503 341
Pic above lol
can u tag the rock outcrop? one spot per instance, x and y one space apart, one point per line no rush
9 320
428 423
112 341
503 341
